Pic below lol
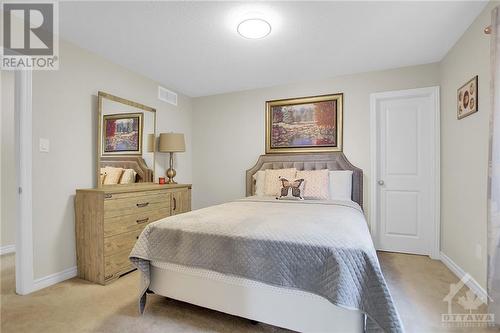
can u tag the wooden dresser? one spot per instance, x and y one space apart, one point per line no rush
110 219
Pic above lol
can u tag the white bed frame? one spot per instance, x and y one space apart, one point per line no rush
296 310
292 309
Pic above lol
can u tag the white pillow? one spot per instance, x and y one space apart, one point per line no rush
128 176
113 175
315 183
260 182
273 184
340 184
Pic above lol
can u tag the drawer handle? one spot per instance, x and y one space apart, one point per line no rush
142 220
175 204
140 205
108 196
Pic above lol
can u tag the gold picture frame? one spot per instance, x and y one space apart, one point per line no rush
108 150
307 124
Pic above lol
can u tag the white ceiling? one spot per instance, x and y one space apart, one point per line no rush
193 47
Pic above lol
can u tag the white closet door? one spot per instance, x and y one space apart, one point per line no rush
405 180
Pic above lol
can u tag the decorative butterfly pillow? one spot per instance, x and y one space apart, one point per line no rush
291 189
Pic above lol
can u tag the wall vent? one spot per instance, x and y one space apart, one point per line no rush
167 96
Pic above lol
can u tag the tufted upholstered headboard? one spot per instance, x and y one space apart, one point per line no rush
144 174
330 161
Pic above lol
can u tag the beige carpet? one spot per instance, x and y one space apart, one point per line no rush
417 283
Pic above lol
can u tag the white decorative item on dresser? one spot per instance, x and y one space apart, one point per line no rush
109 220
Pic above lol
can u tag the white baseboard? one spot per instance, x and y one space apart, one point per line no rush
7 249
52 279
460 273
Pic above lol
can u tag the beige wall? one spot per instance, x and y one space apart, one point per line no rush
228 130
64 111
464 151
8 165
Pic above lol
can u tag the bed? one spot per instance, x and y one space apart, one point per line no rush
137 163
243 258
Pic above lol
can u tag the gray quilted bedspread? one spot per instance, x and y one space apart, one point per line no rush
321 247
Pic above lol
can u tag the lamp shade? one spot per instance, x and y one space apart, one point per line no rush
151 143
172 142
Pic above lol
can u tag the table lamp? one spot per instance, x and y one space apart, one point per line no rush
171 143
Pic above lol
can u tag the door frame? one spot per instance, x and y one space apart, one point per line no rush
433 93
23 118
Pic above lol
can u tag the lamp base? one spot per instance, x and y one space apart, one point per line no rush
170 175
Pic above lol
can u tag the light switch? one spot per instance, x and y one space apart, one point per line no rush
44 145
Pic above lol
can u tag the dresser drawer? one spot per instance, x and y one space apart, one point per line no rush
116 264
114 196
134 205
121 242
120 224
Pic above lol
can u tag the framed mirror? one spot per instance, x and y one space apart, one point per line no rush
126 141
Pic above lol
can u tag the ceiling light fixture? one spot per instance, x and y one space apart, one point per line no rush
254 28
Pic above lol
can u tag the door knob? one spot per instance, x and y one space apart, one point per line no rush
381 182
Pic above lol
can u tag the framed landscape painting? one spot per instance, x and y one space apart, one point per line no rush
308 124
467 98
122 134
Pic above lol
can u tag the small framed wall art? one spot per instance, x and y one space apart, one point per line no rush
467 99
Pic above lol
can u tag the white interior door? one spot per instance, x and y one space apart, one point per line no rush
406 143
